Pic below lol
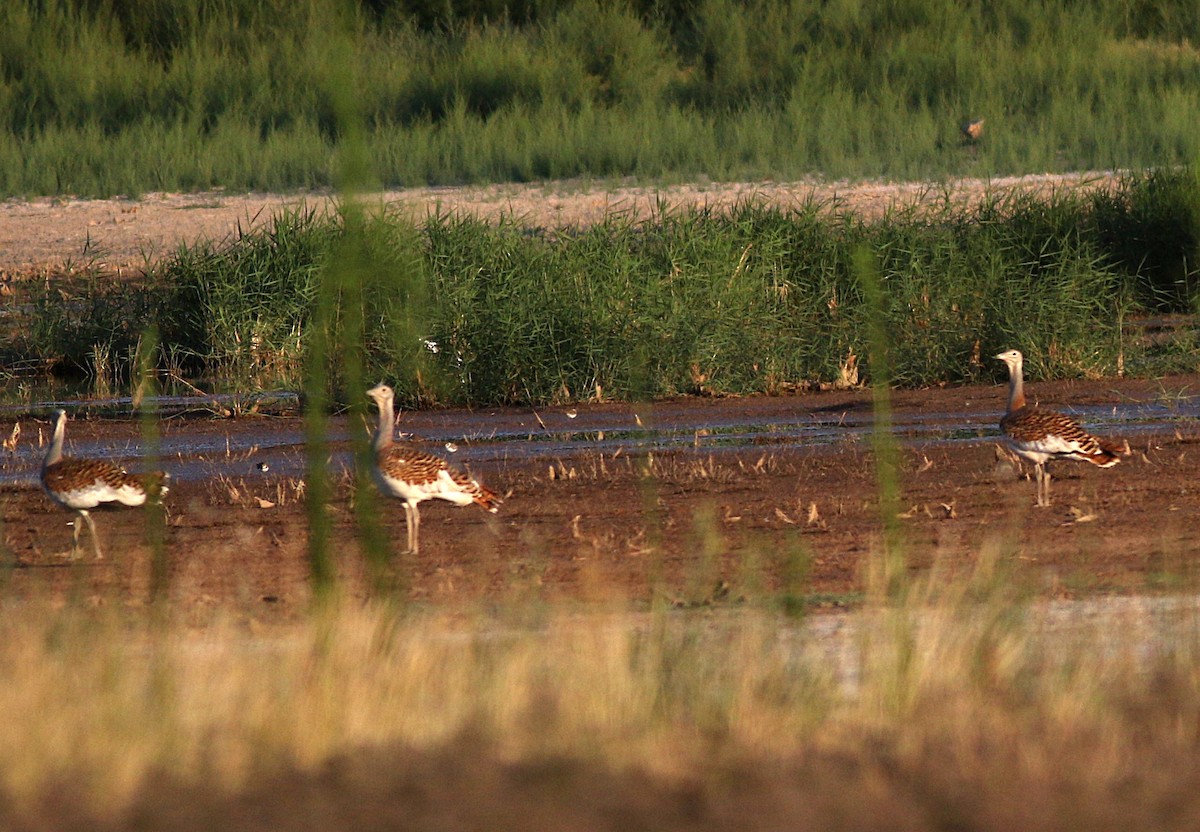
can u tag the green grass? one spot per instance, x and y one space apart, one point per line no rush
232 93
688 303
456 310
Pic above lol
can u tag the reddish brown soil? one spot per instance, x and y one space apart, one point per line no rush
702 526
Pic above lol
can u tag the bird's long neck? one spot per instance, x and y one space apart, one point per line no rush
1016 388
387 426
54 452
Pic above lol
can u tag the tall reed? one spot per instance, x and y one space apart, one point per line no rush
456 310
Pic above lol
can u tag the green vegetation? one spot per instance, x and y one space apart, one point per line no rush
127 96
461 311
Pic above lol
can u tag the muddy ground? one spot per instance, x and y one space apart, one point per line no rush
691 525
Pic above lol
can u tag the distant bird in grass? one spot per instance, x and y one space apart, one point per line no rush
972 129
82 485
1042 435
412 475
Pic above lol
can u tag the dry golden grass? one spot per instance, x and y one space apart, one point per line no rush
961 701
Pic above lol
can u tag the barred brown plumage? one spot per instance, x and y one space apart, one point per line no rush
1042 435
80 485
412 475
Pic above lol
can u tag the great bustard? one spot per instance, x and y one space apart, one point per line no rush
413 475
1042 435
81 485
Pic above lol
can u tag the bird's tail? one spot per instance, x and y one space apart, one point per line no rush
1110 452
480 494
155 483
486 498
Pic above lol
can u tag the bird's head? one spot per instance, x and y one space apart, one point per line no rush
1012 358
382 395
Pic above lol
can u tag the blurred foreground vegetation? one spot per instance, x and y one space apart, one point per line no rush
961 706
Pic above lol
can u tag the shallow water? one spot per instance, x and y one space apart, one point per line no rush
196 449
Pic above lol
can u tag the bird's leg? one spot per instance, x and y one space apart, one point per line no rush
76 526
408 525
95 539
415 528
1043 486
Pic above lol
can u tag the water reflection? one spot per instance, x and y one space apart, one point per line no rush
203 448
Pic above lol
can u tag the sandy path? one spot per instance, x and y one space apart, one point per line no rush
52 233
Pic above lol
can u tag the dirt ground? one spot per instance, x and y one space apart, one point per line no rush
120 235
692 526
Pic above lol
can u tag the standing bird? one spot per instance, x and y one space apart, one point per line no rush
80 485
1042 435
412 475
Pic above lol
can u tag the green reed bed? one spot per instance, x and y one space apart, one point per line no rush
456 310
126 97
